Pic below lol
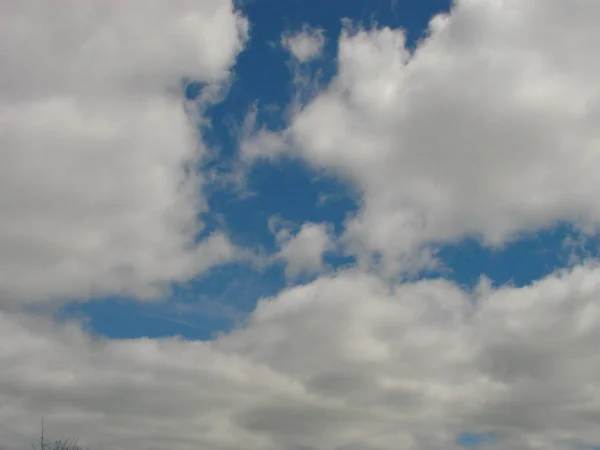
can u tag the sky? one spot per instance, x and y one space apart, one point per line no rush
300 225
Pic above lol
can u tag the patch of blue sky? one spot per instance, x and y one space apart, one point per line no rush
196 310
525 259
475 440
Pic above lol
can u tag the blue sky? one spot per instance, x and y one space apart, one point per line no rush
337 225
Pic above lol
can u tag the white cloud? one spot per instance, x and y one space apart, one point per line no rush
96 146
256 143
347 361
489 129
304 251
305 45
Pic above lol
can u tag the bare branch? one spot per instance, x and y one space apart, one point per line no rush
60 444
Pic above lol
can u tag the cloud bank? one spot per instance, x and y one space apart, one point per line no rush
347 361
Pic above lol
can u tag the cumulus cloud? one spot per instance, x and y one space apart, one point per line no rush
304 251
304 45
347 361
100 192
488 129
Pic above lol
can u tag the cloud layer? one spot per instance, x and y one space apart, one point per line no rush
347 361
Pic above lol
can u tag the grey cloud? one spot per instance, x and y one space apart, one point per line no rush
346 361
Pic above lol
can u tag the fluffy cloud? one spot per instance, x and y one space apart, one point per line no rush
305 45
304 251
488 129
99 188
347 361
